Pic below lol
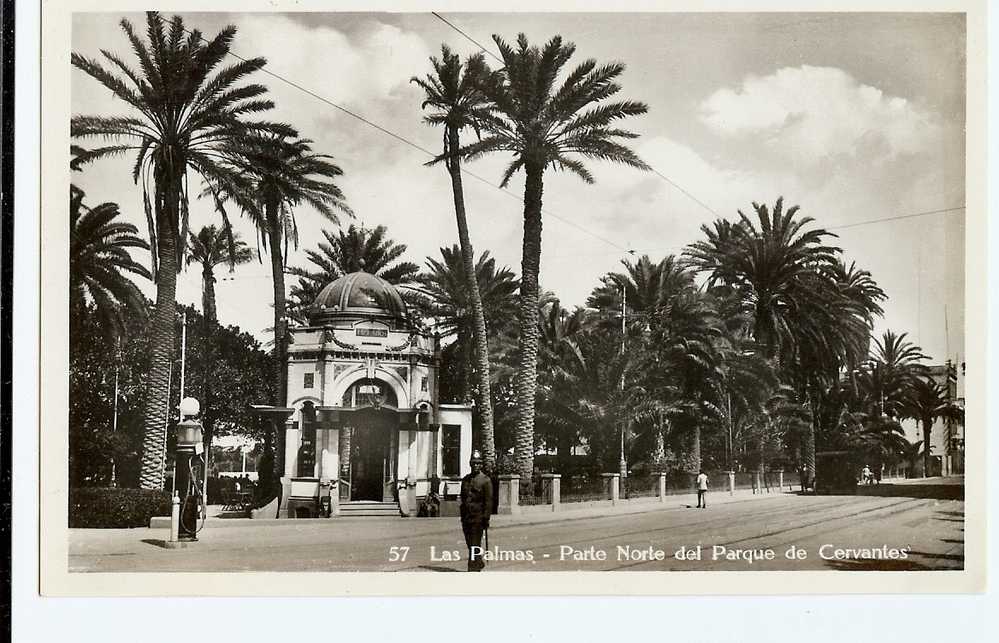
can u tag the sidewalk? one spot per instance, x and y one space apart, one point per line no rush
530 514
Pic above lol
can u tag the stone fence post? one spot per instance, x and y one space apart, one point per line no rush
613 486
731 482
509 494
780 480
662 487
555 485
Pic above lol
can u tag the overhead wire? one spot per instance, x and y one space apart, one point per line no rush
680 188
422 149
676 185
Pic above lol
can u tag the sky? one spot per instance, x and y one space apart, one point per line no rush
852 117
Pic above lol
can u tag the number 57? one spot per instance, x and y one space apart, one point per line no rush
397 554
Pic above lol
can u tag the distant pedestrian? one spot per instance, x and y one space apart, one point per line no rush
702 490
865 475
476 508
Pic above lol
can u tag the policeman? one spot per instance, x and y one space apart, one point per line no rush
476 506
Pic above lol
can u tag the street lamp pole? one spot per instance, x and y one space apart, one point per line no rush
624 314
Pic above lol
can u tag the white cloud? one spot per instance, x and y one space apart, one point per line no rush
814 113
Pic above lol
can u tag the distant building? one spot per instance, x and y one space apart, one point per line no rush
947 437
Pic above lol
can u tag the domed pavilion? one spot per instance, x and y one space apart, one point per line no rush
366 432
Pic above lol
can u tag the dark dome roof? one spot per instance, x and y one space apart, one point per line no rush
357 295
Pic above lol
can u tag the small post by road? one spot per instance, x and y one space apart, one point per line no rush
613 486
731 482
662 487
175 518
555 484
780 480
509 494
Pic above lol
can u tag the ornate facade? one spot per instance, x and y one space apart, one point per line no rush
366 426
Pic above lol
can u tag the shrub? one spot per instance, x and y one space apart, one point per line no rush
113 508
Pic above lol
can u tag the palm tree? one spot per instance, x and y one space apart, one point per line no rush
545 126
347 251
648 287
282 174
100 262
809 313
447 298
454 94
927 402
183 108
212 247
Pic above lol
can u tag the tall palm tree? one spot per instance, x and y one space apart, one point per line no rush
453 92
100 263
927 402
547 126
182 109
345 251
283 174
447 298
210 248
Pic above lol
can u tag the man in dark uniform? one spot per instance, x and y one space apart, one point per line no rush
476 506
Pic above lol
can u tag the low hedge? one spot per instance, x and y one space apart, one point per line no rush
113 508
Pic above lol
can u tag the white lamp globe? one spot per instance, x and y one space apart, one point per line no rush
189 407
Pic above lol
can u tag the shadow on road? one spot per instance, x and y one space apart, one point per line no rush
927 491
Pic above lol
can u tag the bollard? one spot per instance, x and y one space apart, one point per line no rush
175 518
509 494
555 484
780 480
731 482
662 487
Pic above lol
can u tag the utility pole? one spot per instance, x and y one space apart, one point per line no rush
114 422
624 314
728 416
183 349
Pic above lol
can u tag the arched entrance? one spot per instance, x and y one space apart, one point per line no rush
372 441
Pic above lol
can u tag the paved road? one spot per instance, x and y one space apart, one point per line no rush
896 527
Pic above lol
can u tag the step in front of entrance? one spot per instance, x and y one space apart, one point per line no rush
368 508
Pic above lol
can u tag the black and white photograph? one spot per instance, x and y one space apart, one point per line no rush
511 294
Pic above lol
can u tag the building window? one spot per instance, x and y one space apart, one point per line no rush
310 380
451 450
423 384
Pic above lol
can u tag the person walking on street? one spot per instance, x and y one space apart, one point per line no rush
702 490
475 509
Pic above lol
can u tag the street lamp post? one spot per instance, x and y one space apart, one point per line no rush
624 314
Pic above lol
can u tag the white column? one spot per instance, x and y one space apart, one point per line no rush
292 441
326 392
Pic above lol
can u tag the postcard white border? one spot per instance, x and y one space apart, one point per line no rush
54 578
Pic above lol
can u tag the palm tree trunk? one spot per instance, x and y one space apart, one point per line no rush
210 322
927 431
695 447
484 402
161 335
808 444
208 296
274 240
527 345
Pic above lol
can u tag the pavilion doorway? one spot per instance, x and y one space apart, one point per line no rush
373 446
